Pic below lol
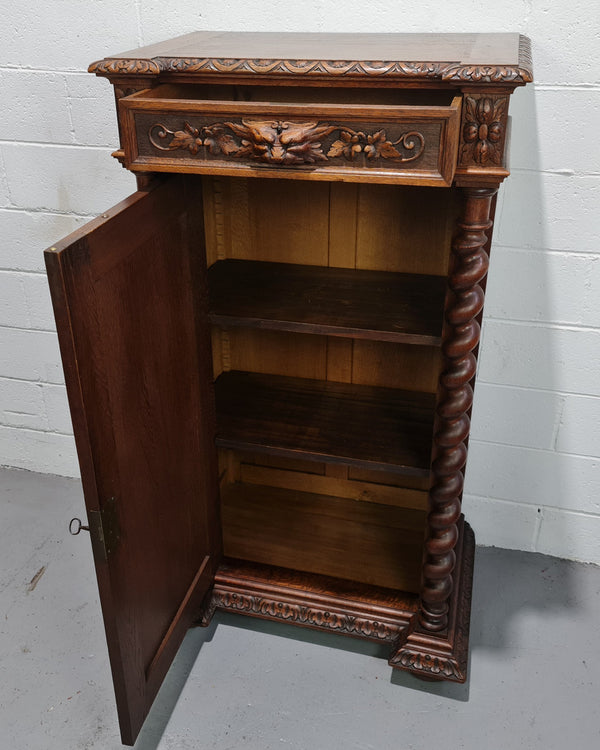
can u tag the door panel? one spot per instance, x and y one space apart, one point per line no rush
129 294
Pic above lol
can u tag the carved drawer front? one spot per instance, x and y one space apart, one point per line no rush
168 129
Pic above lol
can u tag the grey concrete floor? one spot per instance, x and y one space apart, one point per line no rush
534 676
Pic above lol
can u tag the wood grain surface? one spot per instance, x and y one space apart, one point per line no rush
134 335
363 426
405 308
374 544
472 58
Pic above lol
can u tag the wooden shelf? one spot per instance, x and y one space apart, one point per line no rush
390 601
378 305
364 426
313 533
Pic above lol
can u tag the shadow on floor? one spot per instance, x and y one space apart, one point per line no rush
506 583
173 684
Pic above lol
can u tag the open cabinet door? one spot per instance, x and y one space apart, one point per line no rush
129 296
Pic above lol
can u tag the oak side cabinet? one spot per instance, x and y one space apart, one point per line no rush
270 348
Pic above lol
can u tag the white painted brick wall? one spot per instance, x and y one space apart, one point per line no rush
534 477
554 286
550 210
25 231
64 179
579 427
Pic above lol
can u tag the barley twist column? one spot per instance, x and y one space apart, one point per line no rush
469 264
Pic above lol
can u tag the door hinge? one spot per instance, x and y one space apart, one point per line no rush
104 528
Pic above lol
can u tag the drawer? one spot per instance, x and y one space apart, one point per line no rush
364 135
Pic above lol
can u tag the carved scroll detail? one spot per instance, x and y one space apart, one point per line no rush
189 138
284 142
302 615
375 145
455 396
484 123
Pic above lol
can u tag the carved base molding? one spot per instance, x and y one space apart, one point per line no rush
341 619
444 656
360 611
312 601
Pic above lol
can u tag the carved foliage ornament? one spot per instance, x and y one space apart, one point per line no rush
284 142
303 615
519 73
483 130
436 666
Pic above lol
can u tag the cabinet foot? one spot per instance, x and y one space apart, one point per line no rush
444 656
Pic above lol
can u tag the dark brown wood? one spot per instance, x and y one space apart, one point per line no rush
313 533
325 421
444 655
481 159
313 601
133 335
329 453
358 610
351 99
484 123
377 305
403 143
455 397
476 58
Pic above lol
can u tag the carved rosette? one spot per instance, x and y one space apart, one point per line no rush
455 396
285 142
483 130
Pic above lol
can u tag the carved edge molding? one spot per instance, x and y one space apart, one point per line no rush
428 665
439 657
284 142
444 71
291 611
124 66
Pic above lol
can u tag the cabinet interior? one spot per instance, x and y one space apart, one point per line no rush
295 94
256 436
307 480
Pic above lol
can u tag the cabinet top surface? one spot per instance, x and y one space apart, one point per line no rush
474 58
